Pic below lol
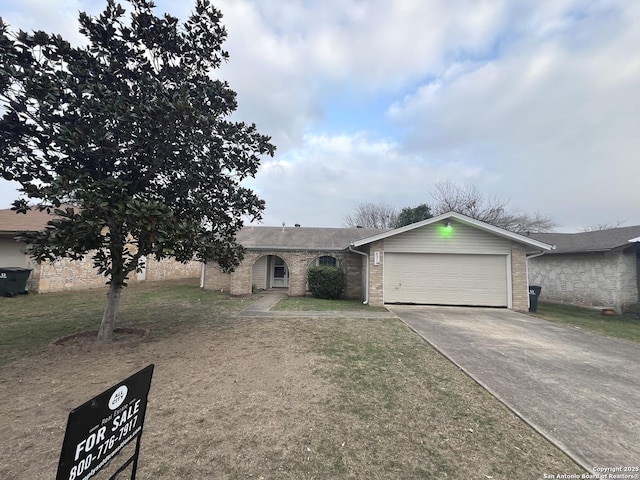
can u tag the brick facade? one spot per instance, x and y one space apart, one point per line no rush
519 287
240 282
376 274
216 279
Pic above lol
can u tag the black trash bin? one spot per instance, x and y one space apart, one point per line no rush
13 281
534 293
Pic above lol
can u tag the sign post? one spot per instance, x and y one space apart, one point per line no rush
100 428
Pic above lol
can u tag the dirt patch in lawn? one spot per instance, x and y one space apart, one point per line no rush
279 399
86 341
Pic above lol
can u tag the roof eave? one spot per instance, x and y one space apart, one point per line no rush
297 249
584 250
462 219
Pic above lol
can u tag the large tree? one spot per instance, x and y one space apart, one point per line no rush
127 141
409 215
372 215
468 200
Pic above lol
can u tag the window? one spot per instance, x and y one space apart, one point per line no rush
326 261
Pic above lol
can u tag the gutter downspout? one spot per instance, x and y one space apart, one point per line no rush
526 267
366 277
202 269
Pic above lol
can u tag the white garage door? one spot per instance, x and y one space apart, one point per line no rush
445 279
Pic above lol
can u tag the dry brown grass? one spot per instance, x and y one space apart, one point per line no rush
279 399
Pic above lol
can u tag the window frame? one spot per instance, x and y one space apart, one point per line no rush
336 262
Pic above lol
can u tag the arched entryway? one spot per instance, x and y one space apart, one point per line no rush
270 271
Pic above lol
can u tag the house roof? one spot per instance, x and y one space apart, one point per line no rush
528 241
12 222
301 238
598 241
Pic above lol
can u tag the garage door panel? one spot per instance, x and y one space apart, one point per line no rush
447 279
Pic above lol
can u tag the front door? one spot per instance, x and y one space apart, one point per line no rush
279 273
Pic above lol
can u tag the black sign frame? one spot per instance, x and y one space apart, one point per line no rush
101 427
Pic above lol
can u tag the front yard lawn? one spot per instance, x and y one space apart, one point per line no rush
626 326
271 398
302 304
28 323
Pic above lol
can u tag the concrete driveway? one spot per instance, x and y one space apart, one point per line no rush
580 390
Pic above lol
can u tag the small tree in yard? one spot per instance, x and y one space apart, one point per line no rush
126 140
326 282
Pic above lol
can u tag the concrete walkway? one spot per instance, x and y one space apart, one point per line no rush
578 389
269 300
262 308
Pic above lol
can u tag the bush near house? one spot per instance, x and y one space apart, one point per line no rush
326 282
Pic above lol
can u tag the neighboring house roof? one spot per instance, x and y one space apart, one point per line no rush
12 222
598 241
301 238
531 242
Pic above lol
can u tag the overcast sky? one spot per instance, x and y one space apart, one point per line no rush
533 101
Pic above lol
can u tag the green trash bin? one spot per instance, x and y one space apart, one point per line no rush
13 281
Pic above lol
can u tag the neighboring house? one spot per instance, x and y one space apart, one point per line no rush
450 259
66 274
600 269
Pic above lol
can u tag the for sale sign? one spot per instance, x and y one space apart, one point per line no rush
100 428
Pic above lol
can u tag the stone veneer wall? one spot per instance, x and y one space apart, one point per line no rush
298 262
519 287
592 279
66 274
169 269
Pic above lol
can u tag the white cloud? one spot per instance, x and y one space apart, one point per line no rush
557 112
532 101
338 172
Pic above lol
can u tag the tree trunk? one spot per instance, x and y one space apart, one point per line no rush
105 334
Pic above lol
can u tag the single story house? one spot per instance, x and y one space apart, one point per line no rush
600 268
450 259
66 274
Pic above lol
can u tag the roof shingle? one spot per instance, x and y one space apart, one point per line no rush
598 241
32 221
301 238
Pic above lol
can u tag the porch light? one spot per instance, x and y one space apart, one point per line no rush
446 230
